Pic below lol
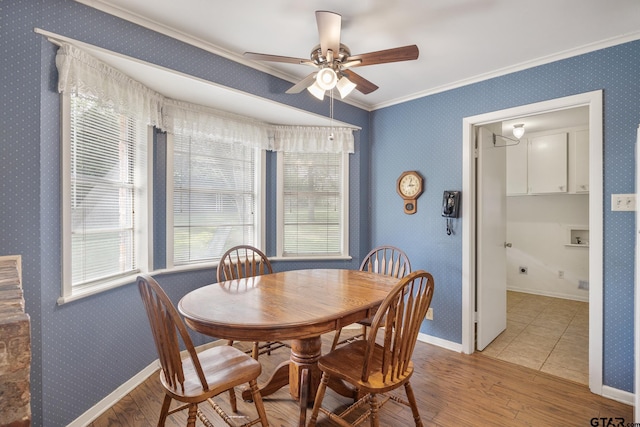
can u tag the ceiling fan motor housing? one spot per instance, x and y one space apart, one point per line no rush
324 61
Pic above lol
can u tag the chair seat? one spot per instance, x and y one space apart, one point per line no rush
224 367
346 363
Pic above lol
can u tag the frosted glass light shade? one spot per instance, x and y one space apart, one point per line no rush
518 130
326 79
345 86
316 91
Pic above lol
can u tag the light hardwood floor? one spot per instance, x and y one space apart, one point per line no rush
547 334
452 389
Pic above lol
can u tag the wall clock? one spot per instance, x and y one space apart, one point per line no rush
409 187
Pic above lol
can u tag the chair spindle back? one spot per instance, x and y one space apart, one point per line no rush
401 315
166 325
243 261
387 260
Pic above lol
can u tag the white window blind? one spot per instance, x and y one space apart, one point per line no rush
313 204
105 159
214 198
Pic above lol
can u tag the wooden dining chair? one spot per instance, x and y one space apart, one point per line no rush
247 261
200 376
387 260
373 367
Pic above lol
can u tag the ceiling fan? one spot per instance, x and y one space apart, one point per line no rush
334 61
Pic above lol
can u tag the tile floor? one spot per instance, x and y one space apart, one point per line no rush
547 334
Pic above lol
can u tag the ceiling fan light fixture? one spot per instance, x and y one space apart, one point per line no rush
345 86
316 91
326 79
518 130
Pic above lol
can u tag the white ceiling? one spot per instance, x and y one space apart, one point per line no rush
460 41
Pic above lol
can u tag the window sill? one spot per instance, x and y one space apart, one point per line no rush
312 258
96 289
130 279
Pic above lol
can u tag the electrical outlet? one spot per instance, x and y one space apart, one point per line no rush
560 274
429 315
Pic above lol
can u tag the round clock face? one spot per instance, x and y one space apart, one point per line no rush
409 185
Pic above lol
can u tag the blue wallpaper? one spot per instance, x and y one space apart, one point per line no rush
426 135
84 350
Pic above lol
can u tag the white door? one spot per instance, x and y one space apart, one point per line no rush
491 263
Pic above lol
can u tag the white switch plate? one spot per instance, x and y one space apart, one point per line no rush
623 202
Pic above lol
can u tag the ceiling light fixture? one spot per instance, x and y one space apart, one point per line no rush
518 130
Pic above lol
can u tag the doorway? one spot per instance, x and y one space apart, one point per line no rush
592 100
547 259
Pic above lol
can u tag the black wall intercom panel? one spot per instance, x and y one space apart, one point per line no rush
450 204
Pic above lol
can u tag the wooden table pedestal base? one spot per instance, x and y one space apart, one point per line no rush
302 374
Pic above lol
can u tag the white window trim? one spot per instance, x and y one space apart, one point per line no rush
280 215
144 219
260 185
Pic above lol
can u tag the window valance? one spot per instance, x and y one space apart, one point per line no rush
79 73
302 139
200 122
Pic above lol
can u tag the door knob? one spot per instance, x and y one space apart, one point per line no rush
507 245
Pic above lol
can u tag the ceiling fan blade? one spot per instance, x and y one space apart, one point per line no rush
303 84
276 58
329 26
405 53
363 85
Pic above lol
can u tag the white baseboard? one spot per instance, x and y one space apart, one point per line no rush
550 294
449 345
118 394
98 409
618 395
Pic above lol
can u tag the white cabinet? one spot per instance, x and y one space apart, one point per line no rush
579 162
547 164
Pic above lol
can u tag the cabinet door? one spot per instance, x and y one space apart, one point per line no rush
517 168
548 164
581 161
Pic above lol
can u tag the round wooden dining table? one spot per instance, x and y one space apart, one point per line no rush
297 306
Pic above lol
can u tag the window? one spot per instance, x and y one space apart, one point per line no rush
313 196
215 180
215 198
104 167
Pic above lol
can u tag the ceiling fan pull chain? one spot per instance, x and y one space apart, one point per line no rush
331 115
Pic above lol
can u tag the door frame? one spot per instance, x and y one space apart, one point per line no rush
594 101
636 284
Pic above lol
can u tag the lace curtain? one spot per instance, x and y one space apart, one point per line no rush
301 139
81 74
198 122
